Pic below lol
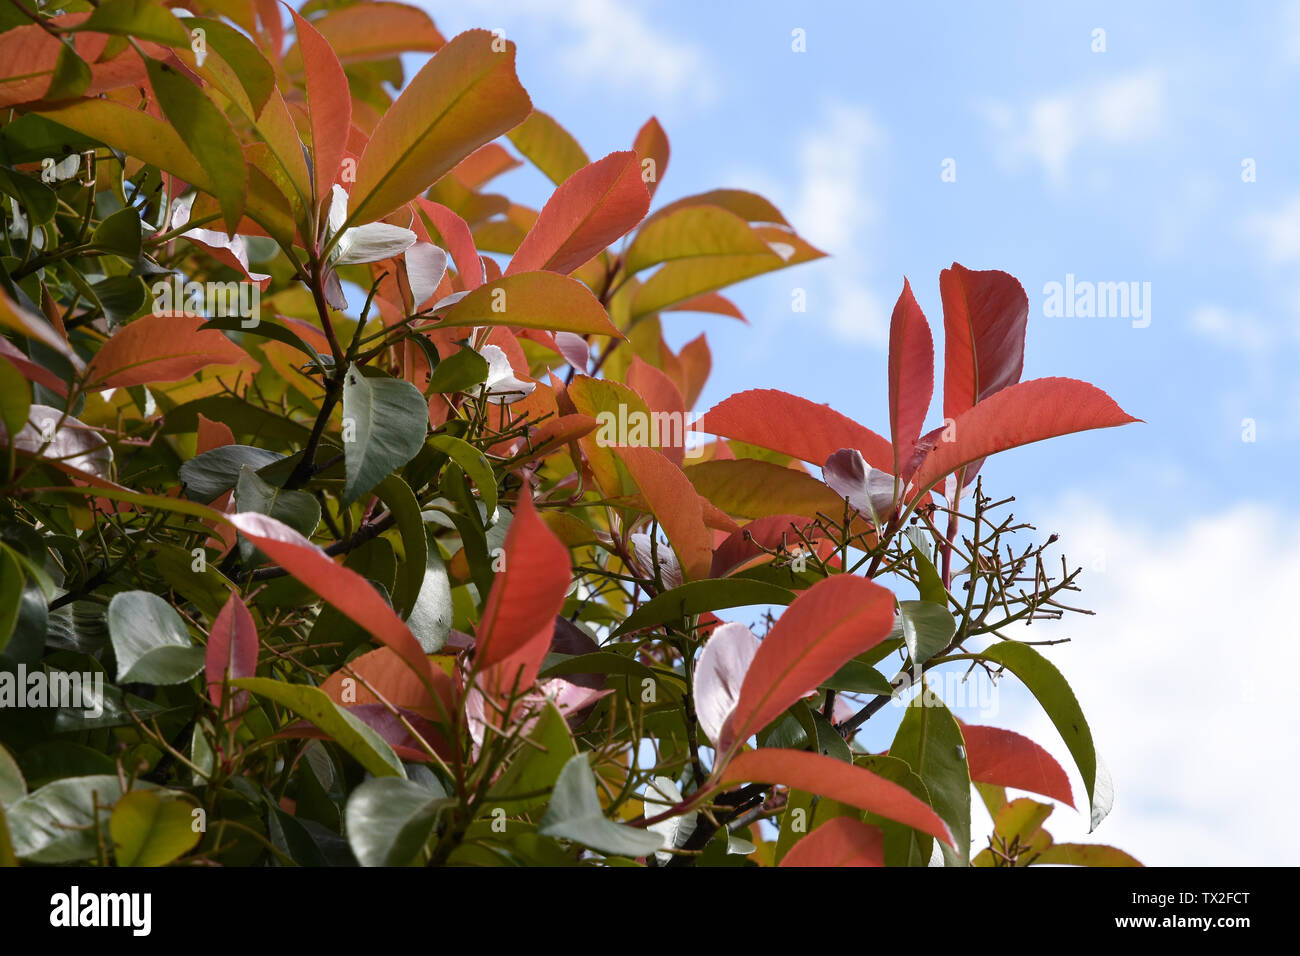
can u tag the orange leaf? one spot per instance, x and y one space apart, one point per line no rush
161 348
465 96
828 625
674 501
652 143
329 104
842 841
594 207
836 780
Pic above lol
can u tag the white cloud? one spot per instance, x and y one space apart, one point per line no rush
607 40
1242 331
1277 232
833 208
1121 111
1187 675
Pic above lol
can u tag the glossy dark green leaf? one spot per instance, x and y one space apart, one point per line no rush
298 509
927 629
696 597
574 813
930 740
150 640
473 463
210 475
459 372
1057 699
858 677
119 234
56 823
432 613
389 820
384 425
904 846
411 572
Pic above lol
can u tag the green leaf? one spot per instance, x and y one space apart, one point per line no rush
71 75
37 199
536 768
691 232
370 750
119 234
574 814
473 463
151 642
150 830
931 584
859 677
268 330
15 399
12 584
696 597
930 740
12 785
459 372
207 134
389 820
210 475
401 501
384 424
432 614
1057 699
927 629
298 509
56 824
1084 854
904 846
143 19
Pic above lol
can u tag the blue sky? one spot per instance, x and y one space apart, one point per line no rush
1117 166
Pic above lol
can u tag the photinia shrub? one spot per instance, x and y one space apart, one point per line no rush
356 513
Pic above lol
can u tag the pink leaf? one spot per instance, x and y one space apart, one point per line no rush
719 674
232 649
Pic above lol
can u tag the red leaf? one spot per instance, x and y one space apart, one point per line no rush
1018 415
911 375
595 206
519 618
762 536
984 317
661 395
458 240
232 645
652 143
800 428
161 348
388 675
836 780
842 841
1007 759
329 104
672 499
338 586
710 302
696 361
833 621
